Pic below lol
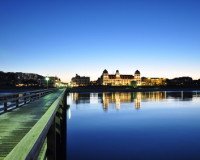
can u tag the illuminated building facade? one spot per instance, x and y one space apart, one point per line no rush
153 81
118 79
55 82
80 81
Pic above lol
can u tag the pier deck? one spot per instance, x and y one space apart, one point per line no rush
14 125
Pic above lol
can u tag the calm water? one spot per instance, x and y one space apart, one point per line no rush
134 126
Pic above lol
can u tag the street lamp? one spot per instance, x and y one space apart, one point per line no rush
47 79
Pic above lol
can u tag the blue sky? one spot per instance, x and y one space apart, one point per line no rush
160 38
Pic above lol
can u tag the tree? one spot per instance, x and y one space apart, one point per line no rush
134 84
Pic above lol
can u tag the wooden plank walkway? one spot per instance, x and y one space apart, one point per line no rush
15 125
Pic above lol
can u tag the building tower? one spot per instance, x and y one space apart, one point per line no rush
105 77
105 73
137 77
117 74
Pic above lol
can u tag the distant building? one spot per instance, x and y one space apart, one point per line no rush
94 83
28 79
54 82
19 79
118 79
153 81
80 81
28 76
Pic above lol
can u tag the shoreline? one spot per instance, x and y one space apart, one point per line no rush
100 89
130 89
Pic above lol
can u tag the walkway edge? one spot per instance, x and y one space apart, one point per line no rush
26 145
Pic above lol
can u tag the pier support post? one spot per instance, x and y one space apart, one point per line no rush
51 142
56 137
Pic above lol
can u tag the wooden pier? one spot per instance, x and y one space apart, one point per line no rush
36 130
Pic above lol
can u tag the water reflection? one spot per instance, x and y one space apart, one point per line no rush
136 98
146 121
69 113
80 98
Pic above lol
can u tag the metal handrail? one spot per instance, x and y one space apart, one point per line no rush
12 101
34 91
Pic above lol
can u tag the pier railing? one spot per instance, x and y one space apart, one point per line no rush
12 101
47 138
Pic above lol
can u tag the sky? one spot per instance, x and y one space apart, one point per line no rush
161 38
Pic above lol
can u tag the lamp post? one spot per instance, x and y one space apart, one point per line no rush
47 79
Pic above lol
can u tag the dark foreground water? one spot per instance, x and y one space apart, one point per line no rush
134 126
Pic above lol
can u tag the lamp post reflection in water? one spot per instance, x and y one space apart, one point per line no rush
69 114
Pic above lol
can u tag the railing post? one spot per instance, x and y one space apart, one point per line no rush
17 100
24 98
31 97
5 104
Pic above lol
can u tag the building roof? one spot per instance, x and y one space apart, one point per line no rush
105 71
127 76
137 72
113 76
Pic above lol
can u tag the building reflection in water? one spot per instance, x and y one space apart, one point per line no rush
116 98
136 98
78 98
